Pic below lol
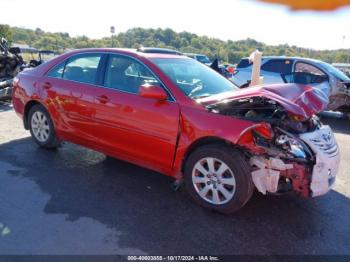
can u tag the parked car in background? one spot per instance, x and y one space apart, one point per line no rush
174 115
45 55
225 70
334 83
33 57
229 69
344 67
199 57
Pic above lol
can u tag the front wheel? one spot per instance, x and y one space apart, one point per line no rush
41 127
218 177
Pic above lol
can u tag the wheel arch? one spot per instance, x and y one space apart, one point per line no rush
202 142
232 156
27 108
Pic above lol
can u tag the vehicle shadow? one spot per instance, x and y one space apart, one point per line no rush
140 206
5 106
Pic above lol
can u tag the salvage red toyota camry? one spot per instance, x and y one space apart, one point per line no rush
166 112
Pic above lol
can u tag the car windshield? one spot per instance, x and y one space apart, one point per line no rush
203 59
336 72
193 78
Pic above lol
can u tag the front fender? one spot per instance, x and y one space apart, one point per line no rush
197 125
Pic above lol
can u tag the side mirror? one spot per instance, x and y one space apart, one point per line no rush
155 92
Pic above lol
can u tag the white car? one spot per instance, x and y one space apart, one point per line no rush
279 69
200 58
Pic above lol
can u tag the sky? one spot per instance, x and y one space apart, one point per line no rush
223 19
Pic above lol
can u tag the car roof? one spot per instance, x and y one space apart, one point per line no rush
288 57
194 54
158 50
132 52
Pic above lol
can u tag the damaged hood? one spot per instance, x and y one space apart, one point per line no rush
301 100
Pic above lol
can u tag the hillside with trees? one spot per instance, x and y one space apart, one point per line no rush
228 51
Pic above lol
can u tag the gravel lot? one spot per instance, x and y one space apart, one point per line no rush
76 201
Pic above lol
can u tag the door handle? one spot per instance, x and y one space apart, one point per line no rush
102 99
47 85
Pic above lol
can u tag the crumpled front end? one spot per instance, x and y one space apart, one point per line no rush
324 145
287 151
311 177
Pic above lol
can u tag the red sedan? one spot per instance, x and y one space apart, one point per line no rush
166 112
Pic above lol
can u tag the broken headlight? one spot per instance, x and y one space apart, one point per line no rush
291 145
315 122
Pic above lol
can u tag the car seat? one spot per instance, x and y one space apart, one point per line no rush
116 79
75 73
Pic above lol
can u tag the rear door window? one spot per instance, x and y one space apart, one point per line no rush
82 68
280 66
305 73
307 68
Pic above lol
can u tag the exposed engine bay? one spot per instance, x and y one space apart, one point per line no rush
286 151
261 109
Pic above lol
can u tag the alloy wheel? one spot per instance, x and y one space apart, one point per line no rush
213 180
40 126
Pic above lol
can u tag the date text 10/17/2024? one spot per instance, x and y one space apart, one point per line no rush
173 258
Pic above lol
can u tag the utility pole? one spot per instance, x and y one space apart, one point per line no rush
343 47
112 37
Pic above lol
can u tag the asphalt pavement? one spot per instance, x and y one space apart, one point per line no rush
77 201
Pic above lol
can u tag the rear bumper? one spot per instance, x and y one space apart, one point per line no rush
324 145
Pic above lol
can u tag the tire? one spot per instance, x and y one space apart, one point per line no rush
234 186
41 127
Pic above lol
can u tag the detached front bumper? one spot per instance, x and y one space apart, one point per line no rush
268 170
325 147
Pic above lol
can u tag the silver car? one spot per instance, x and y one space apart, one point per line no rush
279 69
199 57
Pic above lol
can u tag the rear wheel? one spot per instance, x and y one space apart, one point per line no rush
218 177
41 127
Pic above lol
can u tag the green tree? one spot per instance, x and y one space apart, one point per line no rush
228 51
6 32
